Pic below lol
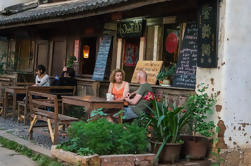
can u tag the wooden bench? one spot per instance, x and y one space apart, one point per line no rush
39 111
23 108
4 82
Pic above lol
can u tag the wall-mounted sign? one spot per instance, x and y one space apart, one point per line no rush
133 28
207 36
185 75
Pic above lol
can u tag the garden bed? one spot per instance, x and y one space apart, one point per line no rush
104 160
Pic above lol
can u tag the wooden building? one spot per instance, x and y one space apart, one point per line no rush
52 32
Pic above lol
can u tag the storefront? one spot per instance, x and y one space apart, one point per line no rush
153 30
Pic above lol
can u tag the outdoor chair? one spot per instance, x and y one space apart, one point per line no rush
39 111
4 82
23 108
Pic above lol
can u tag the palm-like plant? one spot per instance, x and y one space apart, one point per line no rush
166 122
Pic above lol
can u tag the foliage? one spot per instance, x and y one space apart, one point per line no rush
40 159
76 111
200 104
166 122
166 73
3 60
217 157
98 113
104 138
70 61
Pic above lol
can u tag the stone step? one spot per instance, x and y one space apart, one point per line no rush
190 163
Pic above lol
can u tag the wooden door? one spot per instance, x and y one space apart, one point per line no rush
58 58
43 53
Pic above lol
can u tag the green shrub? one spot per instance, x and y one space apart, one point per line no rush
104 138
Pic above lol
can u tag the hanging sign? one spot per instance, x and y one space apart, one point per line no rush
207 35
133 28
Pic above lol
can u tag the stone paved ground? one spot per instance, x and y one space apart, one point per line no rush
21 130
11 158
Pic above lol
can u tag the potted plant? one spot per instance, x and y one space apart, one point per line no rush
200 105
165 76
166 123
70 61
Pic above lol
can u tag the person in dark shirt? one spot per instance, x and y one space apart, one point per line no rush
66 78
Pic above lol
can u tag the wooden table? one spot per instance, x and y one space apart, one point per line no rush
14 91
91 103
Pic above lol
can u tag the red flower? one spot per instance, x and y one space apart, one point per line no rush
149 96
183 111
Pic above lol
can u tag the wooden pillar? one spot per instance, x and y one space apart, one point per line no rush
119 53
142 48
155 43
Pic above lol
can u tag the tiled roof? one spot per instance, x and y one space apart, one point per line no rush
55 10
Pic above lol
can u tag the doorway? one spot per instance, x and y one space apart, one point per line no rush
130 56
88 45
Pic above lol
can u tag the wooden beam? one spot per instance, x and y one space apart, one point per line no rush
142 46
119 53
155 43
50 130
130 6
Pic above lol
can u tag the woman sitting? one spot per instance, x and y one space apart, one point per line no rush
118 87
42 79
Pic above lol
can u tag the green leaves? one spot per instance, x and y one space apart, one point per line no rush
200 105
167 122
166 73
70 61
104 138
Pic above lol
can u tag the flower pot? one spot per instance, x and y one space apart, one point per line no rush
165 82
170 153
195 147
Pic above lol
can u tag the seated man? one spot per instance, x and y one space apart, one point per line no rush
137 103
66 79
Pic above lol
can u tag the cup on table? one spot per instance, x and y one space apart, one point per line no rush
109 97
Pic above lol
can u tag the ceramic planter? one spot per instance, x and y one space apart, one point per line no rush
165 82
196 147
170 153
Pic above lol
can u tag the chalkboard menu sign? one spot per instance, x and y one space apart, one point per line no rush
185 75
207 36
100 66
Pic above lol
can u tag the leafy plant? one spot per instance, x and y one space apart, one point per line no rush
217 157
104 138
3 60
166 73
70 61
200 105
98 113
166 122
